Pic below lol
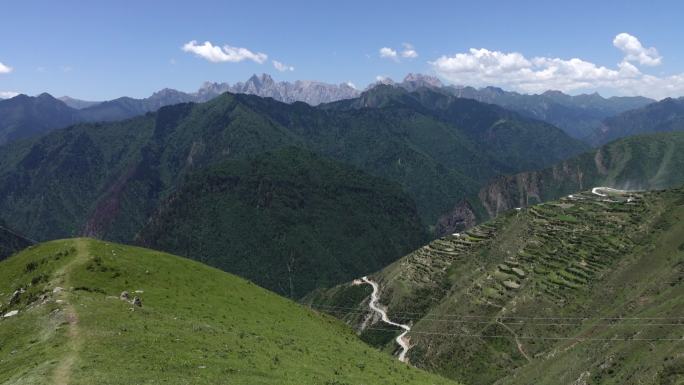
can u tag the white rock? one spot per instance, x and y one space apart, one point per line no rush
57 290
11 314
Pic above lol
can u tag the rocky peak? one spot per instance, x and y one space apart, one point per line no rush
421 80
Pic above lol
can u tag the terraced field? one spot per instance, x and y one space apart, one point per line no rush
586 289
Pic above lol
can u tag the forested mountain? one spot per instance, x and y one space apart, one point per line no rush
666 115
108 179
25 116
289 220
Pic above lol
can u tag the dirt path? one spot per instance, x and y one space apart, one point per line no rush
62 373
517 341
402 340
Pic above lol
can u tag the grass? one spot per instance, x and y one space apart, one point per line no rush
197 325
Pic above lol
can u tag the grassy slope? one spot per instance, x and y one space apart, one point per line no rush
582 260
197 325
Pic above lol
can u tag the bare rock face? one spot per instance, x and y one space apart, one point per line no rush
307 91
125 296
16 296
461 218
509 191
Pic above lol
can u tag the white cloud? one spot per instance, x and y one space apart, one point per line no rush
389 53
5 69
282 67
635 52
482 67
8 94
216 54
409 51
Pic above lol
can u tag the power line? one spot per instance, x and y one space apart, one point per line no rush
17 234
460 316
622 339
494 319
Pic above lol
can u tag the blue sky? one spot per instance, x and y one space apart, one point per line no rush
100 50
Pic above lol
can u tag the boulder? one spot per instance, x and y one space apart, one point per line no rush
16 296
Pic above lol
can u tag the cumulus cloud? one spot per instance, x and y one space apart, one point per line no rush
409 51
8 94
227 53
282 67
5 69
482 67
388 53
635 52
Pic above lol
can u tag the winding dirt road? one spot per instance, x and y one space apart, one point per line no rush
402 340
601 191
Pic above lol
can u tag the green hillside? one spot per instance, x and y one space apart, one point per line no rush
585 290
288 220
654 161
196 325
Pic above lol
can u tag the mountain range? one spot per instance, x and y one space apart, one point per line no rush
538 275
24 116
109 180
580 116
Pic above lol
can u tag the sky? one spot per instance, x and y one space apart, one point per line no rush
96 50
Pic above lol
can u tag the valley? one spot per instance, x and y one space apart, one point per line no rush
357 193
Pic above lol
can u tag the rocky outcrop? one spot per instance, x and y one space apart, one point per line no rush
636 163
461 218
307 91
528 188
